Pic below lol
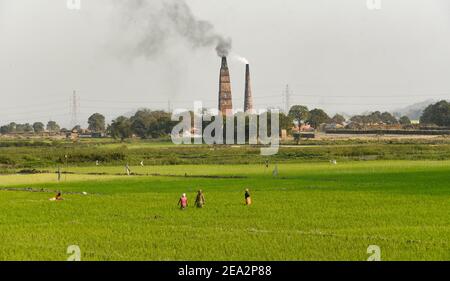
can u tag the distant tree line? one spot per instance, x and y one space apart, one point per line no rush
435 114
315 117
147 124
37 128
380 118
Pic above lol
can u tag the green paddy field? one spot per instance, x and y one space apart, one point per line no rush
312 210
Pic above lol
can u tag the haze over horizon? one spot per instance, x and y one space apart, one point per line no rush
336 55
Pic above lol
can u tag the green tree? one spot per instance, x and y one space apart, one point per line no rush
24 128
38 127
97 123
141 123
388 118
29 128
151 124
437 114
77 128
20 128
317 117
4 129
373 118
52 126
404 120
121 128
286 122
299 113
11 127
163 125
338 119
360 119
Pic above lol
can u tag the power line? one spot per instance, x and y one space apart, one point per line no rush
356 96
35 111
143 102
36 118
40 105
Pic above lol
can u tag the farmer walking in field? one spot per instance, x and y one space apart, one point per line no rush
183 202
248 198
200 200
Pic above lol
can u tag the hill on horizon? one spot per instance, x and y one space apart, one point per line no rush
413 111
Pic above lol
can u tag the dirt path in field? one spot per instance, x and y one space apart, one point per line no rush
186 175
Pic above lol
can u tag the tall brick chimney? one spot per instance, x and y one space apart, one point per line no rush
225 98
248 102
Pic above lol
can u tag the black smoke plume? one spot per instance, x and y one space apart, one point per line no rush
156 22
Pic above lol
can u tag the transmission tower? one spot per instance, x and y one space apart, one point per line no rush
287 99
74 104
169 106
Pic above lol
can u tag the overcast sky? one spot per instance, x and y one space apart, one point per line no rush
336 55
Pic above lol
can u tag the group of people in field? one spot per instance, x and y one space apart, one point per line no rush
183 202
200 200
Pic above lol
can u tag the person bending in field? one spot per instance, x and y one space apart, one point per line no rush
248 198
183 202
200 200
58 197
